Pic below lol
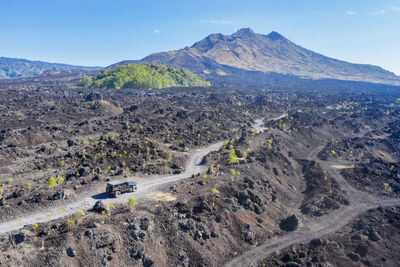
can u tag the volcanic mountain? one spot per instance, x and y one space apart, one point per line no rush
219 54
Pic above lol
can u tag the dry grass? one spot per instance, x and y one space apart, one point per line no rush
378 136
340 167
161 196
384 156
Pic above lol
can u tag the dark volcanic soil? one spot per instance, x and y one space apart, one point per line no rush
328 152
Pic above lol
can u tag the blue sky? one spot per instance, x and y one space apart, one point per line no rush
102 32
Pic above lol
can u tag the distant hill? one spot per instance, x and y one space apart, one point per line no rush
225 55
142 75
16 67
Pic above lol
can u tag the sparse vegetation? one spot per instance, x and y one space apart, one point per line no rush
233 159
215 191
34 227
79 214
60 180
51 183
132 203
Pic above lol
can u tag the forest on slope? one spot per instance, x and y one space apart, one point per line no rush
142 75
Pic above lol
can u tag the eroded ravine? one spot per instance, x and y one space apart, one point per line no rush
321 226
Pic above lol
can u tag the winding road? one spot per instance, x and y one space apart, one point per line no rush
145 186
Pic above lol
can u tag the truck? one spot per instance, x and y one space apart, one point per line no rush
116 188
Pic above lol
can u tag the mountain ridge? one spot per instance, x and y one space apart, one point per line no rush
19 67
271 53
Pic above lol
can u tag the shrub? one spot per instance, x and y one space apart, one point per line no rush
232 157
35 226
132 203
110 207
51 183
212 169
70 223
79 214
214 191
29 186
60 180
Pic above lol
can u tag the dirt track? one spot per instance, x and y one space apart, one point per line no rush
145 186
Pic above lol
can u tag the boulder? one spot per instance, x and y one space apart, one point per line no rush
315 243
362 250
99 207
144 224
353 257
19 238
291 223
71 252
373 236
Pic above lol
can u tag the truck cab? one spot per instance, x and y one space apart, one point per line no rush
116 188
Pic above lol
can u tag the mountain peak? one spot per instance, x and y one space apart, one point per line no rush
250 51
275 36
244 32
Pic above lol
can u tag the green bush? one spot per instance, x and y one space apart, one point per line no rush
233 159
60 180
132 203
79 213
51 183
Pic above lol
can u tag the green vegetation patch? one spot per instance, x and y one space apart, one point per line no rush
142 75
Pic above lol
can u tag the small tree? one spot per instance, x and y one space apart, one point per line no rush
110 207
70 224
35 227
79 214
60 180
132 203
215 191
51 183
233 159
